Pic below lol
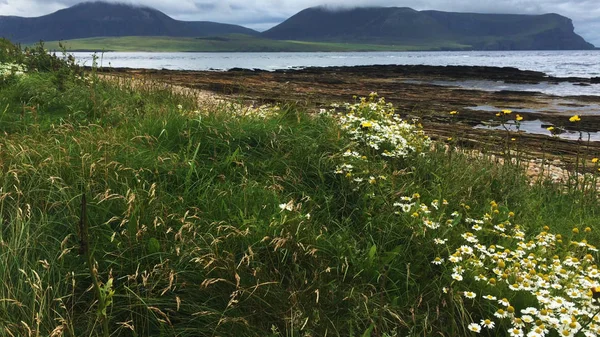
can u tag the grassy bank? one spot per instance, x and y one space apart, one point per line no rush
133 211
228 43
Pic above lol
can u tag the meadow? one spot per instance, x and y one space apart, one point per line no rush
132 210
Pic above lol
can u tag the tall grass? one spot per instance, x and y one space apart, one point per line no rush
225 220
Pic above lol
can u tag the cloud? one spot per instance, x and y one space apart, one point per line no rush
267 13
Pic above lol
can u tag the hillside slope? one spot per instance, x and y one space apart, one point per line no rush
95 19
396 25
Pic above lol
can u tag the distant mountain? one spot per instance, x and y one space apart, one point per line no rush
94 19
431 29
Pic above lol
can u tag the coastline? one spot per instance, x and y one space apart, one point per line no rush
412 91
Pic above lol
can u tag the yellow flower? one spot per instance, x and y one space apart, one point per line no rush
507 112
519 118
594 160
575 230
454 112
550 128
574 119
366 125
498 114
596 292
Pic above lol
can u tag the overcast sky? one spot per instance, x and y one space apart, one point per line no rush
263 14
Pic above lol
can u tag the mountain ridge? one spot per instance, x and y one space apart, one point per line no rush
97 18
392 25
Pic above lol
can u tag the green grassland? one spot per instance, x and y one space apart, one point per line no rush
130 210
230 43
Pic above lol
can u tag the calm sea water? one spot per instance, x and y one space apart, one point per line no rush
555 63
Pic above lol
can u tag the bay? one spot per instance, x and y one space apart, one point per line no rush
554 63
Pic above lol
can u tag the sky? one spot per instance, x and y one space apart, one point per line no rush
263 14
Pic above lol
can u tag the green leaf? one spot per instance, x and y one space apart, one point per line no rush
372 253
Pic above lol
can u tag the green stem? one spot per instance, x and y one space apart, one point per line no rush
84 249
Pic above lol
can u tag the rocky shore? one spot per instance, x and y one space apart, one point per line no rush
416 92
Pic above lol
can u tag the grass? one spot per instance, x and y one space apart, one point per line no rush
223 220
229 43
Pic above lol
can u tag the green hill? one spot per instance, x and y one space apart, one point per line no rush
407 26
225 43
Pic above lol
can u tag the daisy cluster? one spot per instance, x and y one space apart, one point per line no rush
10 69
552 279
374 130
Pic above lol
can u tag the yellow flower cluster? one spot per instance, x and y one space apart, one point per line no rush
575 118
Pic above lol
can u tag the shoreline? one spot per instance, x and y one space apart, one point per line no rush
318 87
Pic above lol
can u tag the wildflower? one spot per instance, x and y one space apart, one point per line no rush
454 112
504 302
179 106
366 125
289 206
519 118
500 313
574 119
437 261
596 293
475 327
594 160
480 277
489 297
507 112
487 323
469 294
457 277
530 311
516 332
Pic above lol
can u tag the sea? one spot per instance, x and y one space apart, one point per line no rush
554 63
584 64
